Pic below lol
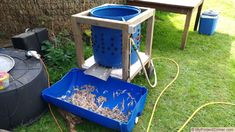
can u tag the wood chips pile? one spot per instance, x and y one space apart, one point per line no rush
83 97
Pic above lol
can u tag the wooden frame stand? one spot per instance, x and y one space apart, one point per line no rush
127 72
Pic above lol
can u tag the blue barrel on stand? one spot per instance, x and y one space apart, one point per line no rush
107 42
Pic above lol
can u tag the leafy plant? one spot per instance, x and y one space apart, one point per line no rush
59 51
59 55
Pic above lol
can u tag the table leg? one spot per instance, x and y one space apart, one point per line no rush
186 28
197 17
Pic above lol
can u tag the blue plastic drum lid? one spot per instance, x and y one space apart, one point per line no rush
107 42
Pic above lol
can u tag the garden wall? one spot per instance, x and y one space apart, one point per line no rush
17 15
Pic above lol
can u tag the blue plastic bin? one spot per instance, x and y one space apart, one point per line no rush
208 22
76 77
107 42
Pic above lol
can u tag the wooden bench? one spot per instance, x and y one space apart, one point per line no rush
176 6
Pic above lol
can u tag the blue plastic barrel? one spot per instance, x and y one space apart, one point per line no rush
107 42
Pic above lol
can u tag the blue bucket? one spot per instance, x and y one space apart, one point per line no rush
106 42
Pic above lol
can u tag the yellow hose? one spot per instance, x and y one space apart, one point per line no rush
199 108
158 98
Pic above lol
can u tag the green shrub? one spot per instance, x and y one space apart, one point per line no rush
60 55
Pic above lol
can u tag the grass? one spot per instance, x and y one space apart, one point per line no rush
207 73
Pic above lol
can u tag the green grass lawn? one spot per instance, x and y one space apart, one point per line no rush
207 73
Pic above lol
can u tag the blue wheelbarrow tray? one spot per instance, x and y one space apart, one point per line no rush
76 78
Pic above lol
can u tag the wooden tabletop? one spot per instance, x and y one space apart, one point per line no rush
180 3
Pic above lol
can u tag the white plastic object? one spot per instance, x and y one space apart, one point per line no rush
33 54
136 120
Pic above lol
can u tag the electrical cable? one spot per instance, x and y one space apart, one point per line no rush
49 106
199 108
132 42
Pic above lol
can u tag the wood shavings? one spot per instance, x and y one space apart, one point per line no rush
101 99
105 91
123 91
129 94
123 104
113 95
83 97
97 90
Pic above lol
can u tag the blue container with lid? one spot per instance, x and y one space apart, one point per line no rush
107 42
208 22
77 78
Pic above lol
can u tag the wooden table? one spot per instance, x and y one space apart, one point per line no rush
177 6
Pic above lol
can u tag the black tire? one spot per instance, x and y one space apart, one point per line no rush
21 102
